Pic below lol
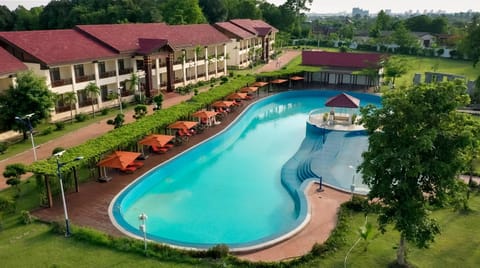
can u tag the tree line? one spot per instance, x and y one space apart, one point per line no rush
65 14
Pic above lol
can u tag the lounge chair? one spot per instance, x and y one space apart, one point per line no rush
159 150
136 164
128 169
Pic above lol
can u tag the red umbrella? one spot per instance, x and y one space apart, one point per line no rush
156 140
119 159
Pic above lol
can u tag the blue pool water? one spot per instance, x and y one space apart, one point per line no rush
228 189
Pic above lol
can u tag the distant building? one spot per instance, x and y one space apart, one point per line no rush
359 12
340 68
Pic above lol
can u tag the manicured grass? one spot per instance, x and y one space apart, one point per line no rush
422 64
456 246
35 245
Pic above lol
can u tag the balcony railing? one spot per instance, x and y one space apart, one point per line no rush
178 80
85 78
211 72
107 74
62 82
125 71
85 103
61 109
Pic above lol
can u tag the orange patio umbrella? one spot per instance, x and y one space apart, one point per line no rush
296 78
259 84
237 96
278 81
223 104
183 125
248 89
156 140
118 159
204 114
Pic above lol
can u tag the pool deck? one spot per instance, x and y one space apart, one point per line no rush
89 207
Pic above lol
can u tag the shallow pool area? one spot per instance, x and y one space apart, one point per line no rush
229 189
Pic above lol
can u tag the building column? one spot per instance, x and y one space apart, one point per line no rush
157 73
97 81
195 58
170 74
74 88
207 62
184 70
225 59
216 61
147 62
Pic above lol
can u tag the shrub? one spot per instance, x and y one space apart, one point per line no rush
3 147
105 111
231 74
7 205
195 91
80 117
46 131
59 126
26 217
357 204
224 79
57 150
140 111
218 251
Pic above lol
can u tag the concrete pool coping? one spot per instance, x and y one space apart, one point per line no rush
89 207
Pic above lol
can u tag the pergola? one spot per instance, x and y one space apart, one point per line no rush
348 103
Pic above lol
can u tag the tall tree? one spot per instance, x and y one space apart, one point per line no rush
402 37
214 10
396 67
383 21
57 15
92 92
70 98
29 95
6 19
425 137
25 19
182 12
470 45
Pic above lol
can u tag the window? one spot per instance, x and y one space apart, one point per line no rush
140 65
55 74
104 92
101 67
121 64
79 72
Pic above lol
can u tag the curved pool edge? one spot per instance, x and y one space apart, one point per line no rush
303 216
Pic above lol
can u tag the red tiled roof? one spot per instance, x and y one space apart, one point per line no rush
147 46
125 37
343 100
9 64
53 47
341 59
234 30
258 27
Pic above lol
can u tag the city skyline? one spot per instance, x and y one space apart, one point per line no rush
342 6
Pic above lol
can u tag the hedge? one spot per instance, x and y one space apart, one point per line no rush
119 138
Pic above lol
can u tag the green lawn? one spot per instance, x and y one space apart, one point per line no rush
457 246
423 64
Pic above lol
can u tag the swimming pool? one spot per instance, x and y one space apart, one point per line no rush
227 190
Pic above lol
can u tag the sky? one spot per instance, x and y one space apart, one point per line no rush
328 6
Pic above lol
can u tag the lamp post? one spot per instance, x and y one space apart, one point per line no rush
59 174
352 187
119 91
26 121
143 228
320 183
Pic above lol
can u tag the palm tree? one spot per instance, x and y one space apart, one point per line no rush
70 98
133 83
92 92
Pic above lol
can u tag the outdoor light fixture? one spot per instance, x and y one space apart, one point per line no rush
143 228
352 187
26 121
59 174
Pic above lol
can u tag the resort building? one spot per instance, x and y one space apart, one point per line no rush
9 66
162 56
340 68
251 41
